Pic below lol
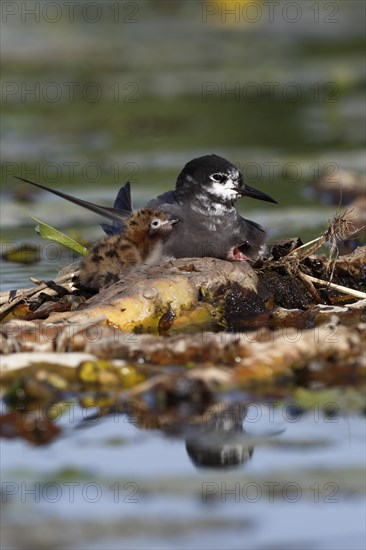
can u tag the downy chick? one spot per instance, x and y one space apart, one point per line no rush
141 243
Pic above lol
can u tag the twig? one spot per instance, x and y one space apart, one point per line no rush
296 250
4 309
311 288
334 286
339 228
36 281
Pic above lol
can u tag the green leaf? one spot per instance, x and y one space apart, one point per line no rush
52 234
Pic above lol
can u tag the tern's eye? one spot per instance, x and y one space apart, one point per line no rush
155 223
220 178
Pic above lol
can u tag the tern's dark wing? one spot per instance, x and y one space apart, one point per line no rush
123 203
115 214
166 198
123 199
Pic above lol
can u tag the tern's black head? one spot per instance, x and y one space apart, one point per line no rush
214 178
211 176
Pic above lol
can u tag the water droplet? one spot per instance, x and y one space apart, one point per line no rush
150 293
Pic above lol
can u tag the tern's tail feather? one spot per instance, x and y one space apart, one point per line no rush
118 215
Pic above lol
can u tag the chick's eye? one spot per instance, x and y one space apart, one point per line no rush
220 178
155 223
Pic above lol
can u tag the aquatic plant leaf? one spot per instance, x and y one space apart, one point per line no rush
52 234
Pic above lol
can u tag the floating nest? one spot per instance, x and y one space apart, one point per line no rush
296 317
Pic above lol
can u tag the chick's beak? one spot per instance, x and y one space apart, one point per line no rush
248 191
168 223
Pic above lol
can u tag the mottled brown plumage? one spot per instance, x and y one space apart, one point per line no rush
141 243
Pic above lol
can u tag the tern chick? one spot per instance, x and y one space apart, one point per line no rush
141 243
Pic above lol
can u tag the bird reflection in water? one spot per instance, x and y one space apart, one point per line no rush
219 442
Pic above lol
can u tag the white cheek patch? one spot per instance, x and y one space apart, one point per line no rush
226 191
234 174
